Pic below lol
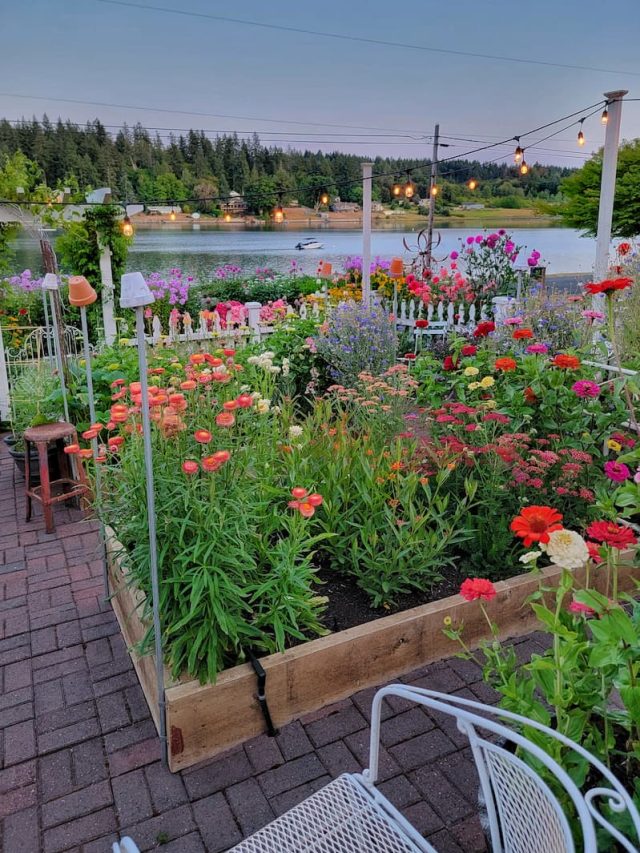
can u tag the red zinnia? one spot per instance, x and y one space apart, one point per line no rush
535 523
614 535
521 334
483 329
506 364
422 324
469 349
410 356
608 285
568 362
474 589
530 396
449 363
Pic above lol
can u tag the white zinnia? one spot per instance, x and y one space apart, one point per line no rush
295 431
263 406
530 556
567 549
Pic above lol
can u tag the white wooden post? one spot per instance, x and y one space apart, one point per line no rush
108 316
253 318
5 401
608 182
367 180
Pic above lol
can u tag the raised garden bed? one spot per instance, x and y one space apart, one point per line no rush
204 720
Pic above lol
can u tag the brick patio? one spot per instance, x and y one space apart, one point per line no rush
79 756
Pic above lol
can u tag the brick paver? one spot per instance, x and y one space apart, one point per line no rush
79 758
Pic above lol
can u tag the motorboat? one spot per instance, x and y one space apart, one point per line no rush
309 244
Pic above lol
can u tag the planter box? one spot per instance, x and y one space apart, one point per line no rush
204 720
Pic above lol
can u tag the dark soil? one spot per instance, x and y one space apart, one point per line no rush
349 605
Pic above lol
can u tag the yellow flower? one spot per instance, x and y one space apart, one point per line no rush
488 404
487 382
471 371
612 444
448 621
474 385
113 366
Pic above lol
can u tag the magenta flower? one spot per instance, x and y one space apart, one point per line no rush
579 609
479 238
636 476
537 349
453 255
586 388
470 240
617 471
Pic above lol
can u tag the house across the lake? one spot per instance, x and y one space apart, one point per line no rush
235 204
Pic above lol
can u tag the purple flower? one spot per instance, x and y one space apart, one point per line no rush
453 255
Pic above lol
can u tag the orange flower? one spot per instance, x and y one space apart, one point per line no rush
298 492
101 458
213 360
188 385
396 466
229 352
568 362
156 371
118 396
306 509
225 419
222 456
97 426
85 453
210 463
521 334
116 441
315 499
177 402
535 523
197 358
190 467
230 405
90 434
135 387
530 396
202 436
505 364
245 401
117 382
72 449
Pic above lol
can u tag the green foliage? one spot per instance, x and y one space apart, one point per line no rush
80 246
35 399
582 190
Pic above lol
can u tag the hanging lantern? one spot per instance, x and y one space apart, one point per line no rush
172 215
227 217
581 139
127 227
604 118
524 168
409 190
472 184
278 214
434 191
324 198
518 154
396 189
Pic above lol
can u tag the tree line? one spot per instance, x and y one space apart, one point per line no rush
195 169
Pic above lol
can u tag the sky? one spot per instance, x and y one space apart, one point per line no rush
299 90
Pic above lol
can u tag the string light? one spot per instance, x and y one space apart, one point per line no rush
604 118
580 133
227 217
434 190
472 184
409 189
519 152
524 168
278 212
396 189
172 215
324 198
127 227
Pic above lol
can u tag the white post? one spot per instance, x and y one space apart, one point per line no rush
367 181
108 316
5 402
253 319
608 182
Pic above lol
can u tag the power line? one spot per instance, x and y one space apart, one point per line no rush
363 39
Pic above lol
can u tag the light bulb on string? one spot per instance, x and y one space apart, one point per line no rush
409 190
278 212
524 168
172 215
227 217
472 184
518 154
581 134
434 190
324 198
604 118
127 227
396 189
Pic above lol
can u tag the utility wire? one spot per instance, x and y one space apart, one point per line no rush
362 39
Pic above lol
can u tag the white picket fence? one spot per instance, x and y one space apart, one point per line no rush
442 318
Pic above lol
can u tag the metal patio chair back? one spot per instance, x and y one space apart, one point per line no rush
350 815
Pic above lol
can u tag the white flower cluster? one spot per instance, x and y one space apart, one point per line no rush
265 362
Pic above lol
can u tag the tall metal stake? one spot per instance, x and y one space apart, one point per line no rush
151 518
367 180
432 198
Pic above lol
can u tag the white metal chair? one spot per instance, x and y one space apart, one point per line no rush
349 815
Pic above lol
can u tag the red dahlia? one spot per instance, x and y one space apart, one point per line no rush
535 523
567 362
483 329
609 285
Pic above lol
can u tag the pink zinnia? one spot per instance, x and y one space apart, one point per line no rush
537 349
586 388
617 471
513 321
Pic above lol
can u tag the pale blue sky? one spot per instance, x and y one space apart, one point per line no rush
90 51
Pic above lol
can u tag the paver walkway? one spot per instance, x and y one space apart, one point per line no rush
79 758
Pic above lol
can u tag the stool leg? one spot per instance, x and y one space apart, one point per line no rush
64 468
27 475
45 488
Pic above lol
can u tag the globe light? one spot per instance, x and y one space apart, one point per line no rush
604 118
172 215
396 190
472 184
518 153
581 139
227 217
409 190
127 227
324 198
434 190
278 214
524 168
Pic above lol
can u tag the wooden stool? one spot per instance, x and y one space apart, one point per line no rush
42 436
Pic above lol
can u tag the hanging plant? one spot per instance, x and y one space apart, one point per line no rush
80 246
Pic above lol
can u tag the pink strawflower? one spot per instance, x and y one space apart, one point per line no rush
513 321
579 609
586 388
537 349
617 471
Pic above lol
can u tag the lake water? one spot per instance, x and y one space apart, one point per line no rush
199 250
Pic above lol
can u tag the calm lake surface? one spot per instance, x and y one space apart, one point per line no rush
200 250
